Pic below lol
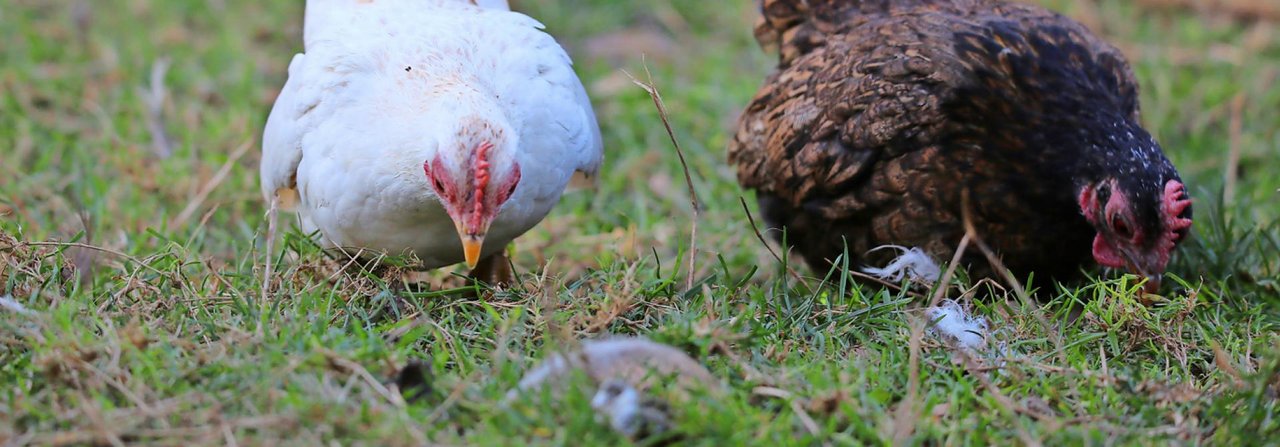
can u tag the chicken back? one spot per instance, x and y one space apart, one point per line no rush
882 114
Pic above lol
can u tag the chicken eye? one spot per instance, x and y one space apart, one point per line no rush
512 189
1104 193
439 185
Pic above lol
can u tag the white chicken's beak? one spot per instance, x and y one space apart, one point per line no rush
472 237
471 248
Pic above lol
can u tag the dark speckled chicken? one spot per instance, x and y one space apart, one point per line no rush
881 113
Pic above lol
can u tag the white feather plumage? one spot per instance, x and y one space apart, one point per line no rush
383 85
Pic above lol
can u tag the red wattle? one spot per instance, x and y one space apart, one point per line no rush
1106 254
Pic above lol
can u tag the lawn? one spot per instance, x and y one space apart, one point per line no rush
132 230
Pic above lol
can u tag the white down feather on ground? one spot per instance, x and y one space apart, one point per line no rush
950 320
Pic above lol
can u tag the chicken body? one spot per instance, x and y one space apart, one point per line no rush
409 123
883 114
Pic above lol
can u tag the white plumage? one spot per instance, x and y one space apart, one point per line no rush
386 87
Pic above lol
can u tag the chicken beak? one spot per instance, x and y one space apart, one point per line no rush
1136 266
471 244
472 241
1153 284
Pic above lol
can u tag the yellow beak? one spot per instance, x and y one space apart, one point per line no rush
471 249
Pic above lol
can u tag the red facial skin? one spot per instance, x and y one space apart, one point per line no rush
1122 243
467 198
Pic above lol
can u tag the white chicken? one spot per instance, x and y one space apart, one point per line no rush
444 128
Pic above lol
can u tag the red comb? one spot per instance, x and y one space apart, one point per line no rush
1175 203
482 181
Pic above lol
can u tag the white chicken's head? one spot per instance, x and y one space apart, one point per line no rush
473 176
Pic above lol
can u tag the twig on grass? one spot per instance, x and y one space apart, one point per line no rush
1008 405
805 419
1232 173
153 97
656 96
85 261
212 184
1224 364
101 249
168 275
760 236
394 399
943 282
273 212
451 399
907 414
998 266
360 371
228 436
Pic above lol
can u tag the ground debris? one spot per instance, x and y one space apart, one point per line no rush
29 269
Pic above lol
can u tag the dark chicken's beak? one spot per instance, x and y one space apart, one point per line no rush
1141 269
1153 284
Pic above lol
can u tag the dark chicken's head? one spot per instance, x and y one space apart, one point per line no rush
1140 218
1067 97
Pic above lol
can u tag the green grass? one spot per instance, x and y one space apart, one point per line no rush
168 342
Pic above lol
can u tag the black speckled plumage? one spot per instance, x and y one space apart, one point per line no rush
883 112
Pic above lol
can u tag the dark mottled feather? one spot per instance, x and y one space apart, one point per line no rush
882 112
